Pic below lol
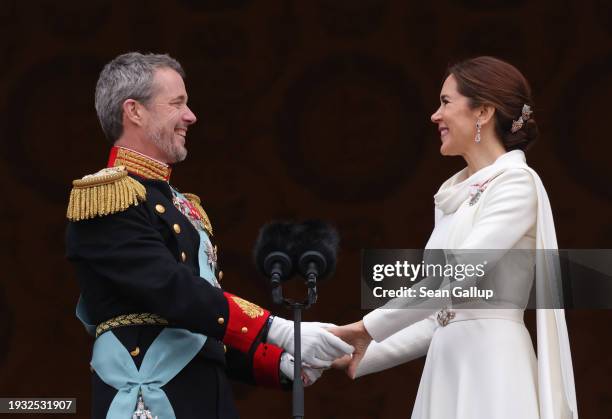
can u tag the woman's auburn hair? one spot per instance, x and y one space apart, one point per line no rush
490 81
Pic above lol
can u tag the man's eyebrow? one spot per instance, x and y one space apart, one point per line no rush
442 97
182 98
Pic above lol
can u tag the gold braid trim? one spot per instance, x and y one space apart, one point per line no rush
141 171
248 308
142 165
106 192
196 202
136 319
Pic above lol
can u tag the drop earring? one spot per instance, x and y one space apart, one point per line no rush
477 139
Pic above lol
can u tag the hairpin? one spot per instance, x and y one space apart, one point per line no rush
525 115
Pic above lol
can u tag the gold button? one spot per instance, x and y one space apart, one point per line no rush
135 352
220 320
224 348
220 275
183 256
177 228
244 330
160 208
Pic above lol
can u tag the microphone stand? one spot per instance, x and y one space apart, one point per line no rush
298 385
297 307
311 264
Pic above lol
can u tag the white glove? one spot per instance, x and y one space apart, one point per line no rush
319 347
309 374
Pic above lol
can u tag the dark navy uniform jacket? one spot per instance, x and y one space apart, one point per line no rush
144 259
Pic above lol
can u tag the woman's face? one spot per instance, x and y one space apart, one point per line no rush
455 119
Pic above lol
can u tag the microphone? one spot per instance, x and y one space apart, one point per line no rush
315 250
272 255
283 247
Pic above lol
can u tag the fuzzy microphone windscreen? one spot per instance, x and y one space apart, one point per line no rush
275 236
317 235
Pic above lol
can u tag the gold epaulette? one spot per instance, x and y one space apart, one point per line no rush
196 202
106 192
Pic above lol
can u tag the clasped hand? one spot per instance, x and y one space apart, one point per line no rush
320 348
356 335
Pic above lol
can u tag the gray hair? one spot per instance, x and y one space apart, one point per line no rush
129 76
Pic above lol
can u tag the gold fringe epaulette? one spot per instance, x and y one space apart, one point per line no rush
196 202
106 192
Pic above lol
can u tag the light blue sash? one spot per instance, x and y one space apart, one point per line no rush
171 351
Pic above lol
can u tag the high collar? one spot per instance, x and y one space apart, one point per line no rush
139 164
458 188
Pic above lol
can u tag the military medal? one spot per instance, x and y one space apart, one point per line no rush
187 209
141 411
192 210
212 255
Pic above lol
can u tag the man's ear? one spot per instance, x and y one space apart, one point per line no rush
133 111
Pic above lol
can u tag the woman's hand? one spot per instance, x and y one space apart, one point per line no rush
354 334
342 363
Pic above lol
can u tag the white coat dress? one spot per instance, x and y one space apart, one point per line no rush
482 364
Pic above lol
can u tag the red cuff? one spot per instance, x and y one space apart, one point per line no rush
266 361
245 322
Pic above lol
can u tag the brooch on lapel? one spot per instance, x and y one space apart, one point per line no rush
475 193
477 189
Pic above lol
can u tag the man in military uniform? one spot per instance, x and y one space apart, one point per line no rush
167 335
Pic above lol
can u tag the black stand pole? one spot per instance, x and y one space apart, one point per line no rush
296 307
298 386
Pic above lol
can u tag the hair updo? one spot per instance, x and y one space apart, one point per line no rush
491 81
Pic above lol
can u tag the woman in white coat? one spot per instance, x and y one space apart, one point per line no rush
481 363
